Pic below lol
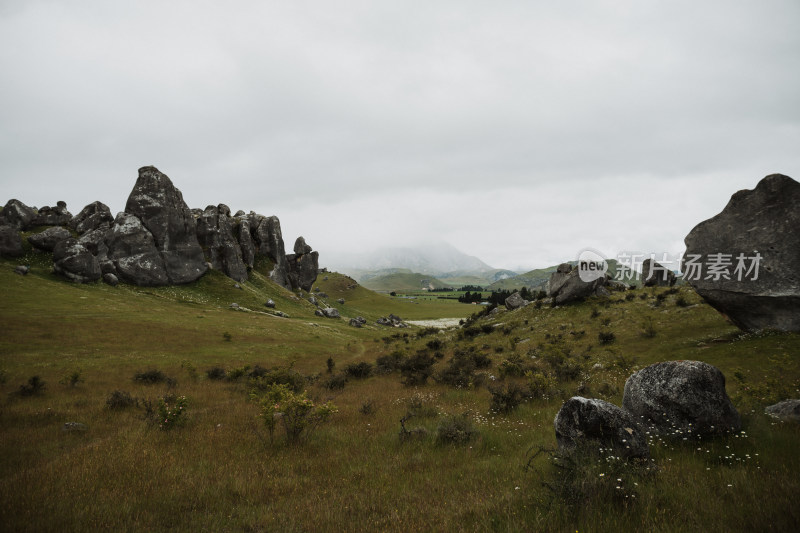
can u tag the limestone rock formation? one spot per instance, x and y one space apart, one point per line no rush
303 270
46 240
565 285
73 260
655 274
245 239
744 261
52 216
17 215
160 207
132 250
515 301
10 241
215 233
300 247
787 410
582 419
268 239
93 216
681 399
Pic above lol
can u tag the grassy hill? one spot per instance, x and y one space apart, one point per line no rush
537 278
404 281
220 470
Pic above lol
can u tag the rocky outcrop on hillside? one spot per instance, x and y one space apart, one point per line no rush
157 240
566 285
744 261
655 274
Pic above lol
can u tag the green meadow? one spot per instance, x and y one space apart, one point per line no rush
462 463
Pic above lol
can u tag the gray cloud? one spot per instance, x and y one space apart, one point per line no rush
502 127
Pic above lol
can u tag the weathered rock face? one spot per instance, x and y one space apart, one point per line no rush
303 270
268 239
47 239
10 241
681 399
657 275
757 233
246 244
215 235
515 301
133 252
160 207
73 260
93 216
787 410
330 312
52 216
580 420
566 286
111 279
17 215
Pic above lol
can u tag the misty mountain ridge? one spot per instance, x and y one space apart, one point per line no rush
439 259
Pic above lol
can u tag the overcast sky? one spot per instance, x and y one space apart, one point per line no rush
519 132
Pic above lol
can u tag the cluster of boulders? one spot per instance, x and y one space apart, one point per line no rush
673 399
392 321
157 240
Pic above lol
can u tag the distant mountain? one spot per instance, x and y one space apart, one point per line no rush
403 281
437 259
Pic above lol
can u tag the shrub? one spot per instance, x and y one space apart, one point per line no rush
455 429
648 328
681 302
368 408
119 400
541 384
335 381
435 344
417 369
34 387
330 364
459 371
630 296
216 373
238 373
295 413
421 405
514 365
358 370
227 337
72 379
606 337
471 331
190 369
285 375
150 377
506 399
623 362
595 313
386 364
171 412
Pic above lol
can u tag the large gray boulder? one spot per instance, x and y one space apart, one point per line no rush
52 216
303 270
93 216
160 207
132 250
215 233
760 223
515 301
566 286
787 410
17 215
72 260
268 239
10 241
46 240
681 399
582 421
655 274
300 246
